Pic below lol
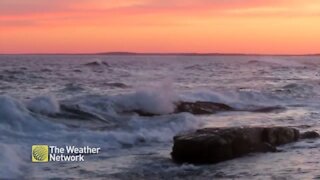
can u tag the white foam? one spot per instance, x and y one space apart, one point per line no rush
157 99
15 117
12 163
12 112
159 129
44 105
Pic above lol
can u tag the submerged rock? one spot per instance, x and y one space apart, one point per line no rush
212 145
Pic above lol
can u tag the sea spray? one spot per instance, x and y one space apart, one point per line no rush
44 105
15 116
157 99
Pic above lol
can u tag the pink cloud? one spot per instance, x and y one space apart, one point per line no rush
12 7
37 12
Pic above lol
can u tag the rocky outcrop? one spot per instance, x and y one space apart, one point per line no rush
309 135
202 107
267 109
205 107
212 145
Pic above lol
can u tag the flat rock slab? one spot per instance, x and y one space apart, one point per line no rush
212 145
202 107
207 108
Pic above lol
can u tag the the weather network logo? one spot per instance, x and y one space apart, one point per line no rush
48 153
40 153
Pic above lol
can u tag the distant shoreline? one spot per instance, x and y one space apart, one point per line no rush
162 54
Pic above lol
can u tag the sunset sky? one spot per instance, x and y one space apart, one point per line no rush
225 26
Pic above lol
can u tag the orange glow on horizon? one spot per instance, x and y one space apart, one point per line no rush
83 26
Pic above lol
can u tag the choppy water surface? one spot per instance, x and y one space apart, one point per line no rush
134 147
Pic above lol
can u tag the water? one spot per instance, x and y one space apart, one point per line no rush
134 147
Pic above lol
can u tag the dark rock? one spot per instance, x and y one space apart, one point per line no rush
143 113
97 63
280 135
77 70
201 107
118 85
309 135
267 109
212 145
204 107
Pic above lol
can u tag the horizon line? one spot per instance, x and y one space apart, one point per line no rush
123 53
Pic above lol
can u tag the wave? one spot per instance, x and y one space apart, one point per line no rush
46 120
157 99
108 115
108 112
25 127
13 113
13 162
45 114
44 105
17 117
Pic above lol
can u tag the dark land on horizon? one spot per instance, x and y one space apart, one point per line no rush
164 54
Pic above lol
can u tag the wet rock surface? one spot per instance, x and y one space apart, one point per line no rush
206 108
309 135
213 145
202 107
